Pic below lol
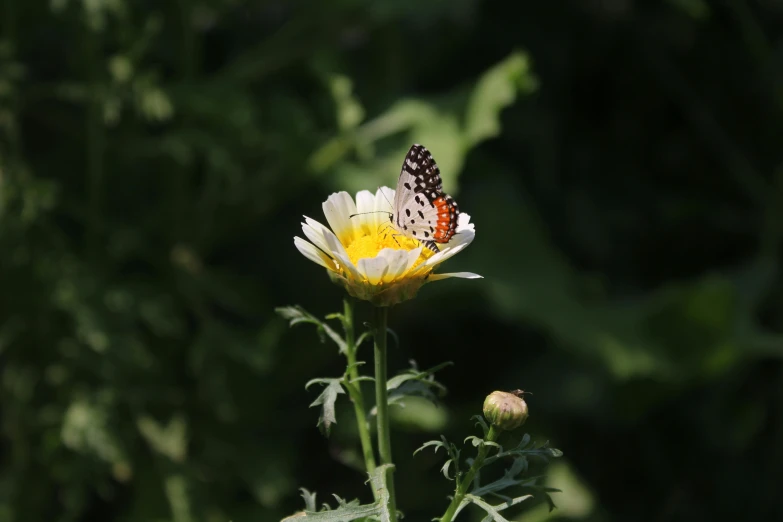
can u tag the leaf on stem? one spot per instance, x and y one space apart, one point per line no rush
326 400
493 512
309 499
414 382
509 479
353 510
526 449
452 451
297 315
481 422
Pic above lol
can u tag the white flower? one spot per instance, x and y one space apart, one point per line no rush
367 256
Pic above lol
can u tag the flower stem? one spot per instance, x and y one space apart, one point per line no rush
465 482
382 404
355 389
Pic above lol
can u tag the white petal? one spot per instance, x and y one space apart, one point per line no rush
413 255
374 268
397 261
336 248
384 199
445 254
337 209
365 207
314 232
313 254
463 275
463 222
464 236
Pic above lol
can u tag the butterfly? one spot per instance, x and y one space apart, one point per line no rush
421 209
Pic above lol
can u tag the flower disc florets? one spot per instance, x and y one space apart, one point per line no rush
368 257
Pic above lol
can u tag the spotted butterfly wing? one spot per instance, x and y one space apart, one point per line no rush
421 210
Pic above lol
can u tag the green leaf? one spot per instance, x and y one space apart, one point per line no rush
309 499
297 315
478 441
414 382
509 479
452 451
378 483
415 374
526 449
493 512
495 90
326 400
347 511
436 443
481 422
363 337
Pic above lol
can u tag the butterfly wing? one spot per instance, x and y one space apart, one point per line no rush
421 210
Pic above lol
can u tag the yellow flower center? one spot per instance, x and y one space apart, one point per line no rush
368 245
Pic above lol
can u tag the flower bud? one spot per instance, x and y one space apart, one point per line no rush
504 410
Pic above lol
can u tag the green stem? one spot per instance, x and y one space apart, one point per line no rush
382 404
465 482
355 390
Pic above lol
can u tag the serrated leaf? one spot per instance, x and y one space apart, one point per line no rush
525 449
309 499
363 337
295 315
378 483
326 400
416 383
509 479
478 441
445 469
481 422
475 441
353 510
340 317
415 374
437 443
298 315
493 512
345 513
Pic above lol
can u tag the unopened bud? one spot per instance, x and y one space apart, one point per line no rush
504 410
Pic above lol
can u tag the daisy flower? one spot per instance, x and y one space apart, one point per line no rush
368 257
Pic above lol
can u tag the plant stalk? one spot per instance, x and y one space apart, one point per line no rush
467 479
382 404
355 390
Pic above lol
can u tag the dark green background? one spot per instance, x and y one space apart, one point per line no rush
621 161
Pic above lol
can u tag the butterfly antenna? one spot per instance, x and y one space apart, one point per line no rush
387 199
371 212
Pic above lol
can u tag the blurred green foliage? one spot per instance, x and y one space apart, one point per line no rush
621 161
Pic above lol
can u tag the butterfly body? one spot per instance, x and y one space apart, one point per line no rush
422 211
